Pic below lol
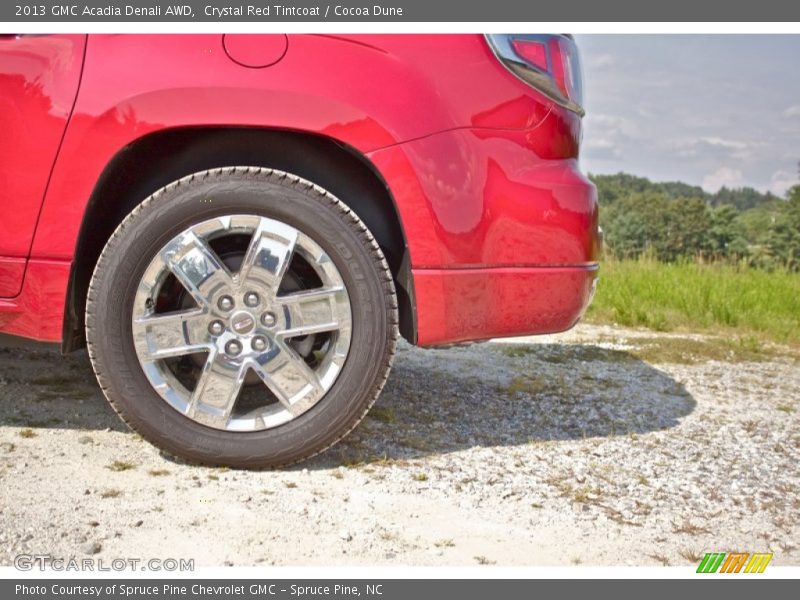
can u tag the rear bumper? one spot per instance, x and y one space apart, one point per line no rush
502 229
37 312
457 305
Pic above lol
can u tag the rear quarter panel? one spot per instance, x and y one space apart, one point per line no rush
369 92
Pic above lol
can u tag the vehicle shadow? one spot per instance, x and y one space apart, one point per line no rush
42 389
435 401
442 401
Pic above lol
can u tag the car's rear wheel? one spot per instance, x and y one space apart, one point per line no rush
242 316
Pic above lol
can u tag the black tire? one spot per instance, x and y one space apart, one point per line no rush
265 192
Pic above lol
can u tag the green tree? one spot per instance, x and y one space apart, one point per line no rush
674 220
633 224
687 222
784 235
726 236
742 198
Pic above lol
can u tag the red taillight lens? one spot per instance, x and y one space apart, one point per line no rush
535 53
570 78
549 63
558 65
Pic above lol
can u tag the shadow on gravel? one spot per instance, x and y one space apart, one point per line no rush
435 402
441 401
41 388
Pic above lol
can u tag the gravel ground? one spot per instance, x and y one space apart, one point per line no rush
569 449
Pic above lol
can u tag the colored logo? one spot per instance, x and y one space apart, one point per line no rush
734 562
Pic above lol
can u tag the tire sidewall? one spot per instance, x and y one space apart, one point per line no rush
175 209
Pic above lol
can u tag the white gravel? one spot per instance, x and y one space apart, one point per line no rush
560 450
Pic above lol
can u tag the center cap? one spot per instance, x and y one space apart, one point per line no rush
243 322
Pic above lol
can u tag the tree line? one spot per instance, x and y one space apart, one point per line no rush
674 221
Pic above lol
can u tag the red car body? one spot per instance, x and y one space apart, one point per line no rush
500 227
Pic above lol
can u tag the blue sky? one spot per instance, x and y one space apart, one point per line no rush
710 110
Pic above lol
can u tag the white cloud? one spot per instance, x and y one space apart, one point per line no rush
689 151
601 148
792 111
724 176
600 61
646 111
712 148
612 125
641 120
782 181
724 143
606 136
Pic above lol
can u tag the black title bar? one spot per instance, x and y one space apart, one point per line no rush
387 589
464 11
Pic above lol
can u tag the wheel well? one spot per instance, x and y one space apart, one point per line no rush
157 159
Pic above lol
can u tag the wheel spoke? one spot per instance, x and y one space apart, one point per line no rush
241 322
292 381
314 311
268 255
196 266
216 392
173 334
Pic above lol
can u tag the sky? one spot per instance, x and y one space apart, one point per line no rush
710 110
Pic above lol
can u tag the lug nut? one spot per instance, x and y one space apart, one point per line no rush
233 348
225 303
216 328
251 299
268 319
259 343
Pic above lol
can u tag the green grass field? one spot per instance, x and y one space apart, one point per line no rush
720 299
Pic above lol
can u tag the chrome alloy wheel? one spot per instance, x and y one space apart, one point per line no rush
242 323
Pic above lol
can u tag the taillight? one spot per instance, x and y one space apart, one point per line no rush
549 63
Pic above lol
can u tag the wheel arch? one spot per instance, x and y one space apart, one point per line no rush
156 159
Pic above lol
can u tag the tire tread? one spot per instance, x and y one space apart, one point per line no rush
355 223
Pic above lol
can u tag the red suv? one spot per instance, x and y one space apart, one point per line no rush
239 226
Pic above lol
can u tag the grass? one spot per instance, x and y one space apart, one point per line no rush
676 349
382 414
120 465
581 495
526 385
687 351
660 558
691 555
689 528
699 297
